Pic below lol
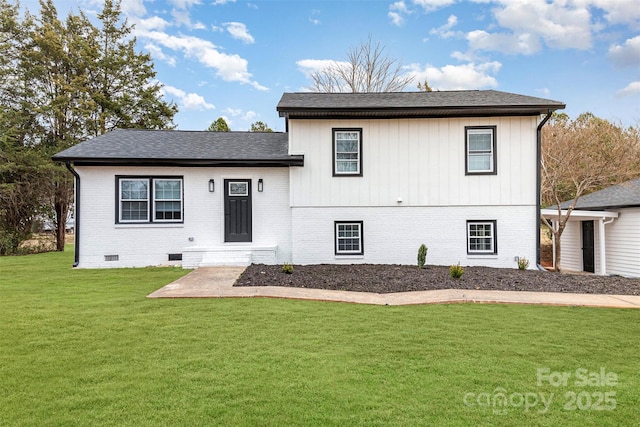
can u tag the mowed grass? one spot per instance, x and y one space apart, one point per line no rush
86 347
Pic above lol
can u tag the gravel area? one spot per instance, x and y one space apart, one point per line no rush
402 278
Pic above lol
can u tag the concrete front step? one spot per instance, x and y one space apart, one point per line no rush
195 257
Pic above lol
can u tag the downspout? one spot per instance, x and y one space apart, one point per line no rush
539 184
76 231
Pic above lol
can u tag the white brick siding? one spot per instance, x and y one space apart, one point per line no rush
149 244
392 235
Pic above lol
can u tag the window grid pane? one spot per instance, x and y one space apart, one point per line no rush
168 199
480 150
347 152
481 237
134 200
349 238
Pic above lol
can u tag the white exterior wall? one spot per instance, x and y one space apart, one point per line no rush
422 162
139 245
623 243
571 247
392 235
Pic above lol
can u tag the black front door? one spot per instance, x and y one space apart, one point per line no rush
588 247
237 210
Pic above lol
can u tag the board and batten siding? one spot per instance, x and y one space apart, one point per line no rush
139 245
421 161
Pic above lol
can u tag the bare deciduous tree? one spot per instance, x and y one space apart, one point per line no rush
366 69
581 156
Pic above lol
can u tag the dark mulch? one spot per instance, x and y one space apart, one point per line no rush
402 278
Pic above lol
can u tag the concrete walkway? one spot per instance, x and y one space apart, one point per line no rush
217 282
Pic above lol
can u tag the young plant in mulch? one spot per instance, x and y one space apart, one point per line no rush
287 268
456 271
422 256
523 263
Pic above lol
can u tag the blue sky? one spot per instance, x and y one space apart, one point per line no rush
235 58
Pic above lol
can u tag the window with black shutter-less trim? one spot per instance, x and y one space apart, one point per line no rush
149 200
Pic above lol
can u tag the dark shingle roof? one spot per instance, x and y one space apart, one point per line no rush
626 194
413 104
170 147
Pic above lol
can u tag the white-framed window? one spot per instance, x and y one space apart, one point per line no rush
167 200
480 150
348 238
134 200
347 152
149 199
482 238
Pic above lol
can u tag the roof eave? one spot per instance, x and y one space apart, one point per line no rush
417 112
295 160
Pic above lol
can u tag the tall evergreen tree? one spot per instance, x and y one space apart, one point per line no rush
64 82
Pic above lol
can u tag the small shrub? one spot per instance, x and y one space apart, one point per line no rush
287 268
523 263
456 271
422 255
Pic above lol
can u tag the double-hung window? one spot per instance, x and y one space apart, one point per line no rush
480 150
481 238
149 199
347 152
348 238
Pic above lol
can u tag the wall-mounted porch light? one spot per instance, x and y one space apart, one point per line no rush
260 185
212 186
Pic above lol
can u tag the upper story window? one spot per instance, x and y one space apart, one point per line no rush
480 150
149 199
347 152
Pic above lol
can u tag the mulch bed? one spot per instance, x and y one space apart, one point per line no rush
402 278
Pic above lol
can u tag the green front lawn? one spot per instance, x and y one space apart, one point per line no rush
85 347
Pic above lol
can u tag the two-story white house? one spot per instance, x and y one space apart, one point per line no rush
356 178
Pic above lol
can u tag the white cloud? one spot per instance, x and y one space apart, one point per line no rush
444 31
396 12
183 17
239 31
632 88
431 5
238 112
133 7
229 67
310 66
560 24
218 2
626 55
525 44
396 18
188 101
617 11
457 77
314 21
150 24
184 4
157 53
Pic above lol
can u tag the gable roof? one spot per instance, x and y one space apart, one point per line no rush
463 103
183 148
622 195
